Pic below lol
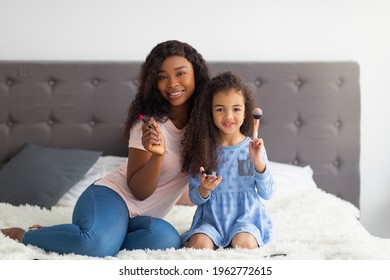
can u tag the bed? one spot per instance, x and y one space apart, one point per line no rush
75 111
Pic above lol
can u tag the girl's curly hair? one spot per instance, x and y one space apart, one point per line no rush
148 99
202 134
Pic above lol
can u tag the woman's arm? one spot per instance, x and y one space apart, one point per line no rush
144 167
143 172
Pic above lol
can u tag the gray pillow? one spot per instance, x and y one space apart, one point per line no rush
40 176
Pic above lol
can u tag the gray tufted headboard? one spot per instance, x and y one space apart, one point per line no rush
311 111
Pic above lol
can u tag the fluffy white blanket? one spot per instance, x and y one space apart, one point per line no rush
309 224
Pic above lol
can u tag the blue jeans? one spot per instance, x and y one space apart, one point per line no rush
101 227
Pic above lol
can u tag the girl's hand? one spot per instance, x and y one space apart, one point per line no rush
256 148
207 183
152 138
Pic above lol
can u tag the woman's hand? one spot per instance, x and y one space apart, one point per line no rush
152 138
207 183
256 147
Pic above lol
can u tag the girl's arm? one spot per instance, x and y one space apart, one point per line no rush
265 183
194 194
201 186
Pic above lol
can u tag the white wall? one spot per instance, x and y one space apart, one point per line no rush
228 30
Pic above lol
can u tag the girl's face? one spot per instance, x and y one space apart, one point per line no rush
228 111
176 80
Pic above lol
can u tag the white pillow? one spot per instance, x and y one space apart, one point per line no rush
103 165
289 176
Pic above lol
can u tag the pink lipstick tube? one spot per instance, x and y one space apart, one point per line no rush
144 120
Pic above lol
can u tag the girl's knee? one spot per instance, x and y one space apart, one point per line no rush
244 240
200 241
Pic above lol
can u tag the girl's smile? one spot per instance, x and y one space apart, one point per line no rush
229 124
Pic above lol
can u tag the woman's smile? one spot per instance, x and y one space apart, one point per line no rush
175 94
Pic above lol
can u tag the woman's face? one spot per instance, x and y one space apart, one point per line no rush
176 80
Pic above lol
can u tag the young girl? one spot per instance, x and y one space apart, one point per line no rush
123 210
230 212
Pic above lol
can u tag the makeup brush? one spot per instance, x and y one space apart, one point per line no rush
257 113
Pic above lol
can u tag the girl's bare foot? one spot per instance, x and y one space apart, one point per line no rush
14 233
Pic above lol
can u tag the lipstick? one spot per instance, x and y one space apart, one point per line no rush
144 120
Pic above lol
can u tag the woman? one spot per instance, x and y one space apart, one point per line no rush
123 210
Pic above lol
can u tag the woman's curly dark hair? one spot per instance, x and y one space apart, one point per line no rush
202 134
148 100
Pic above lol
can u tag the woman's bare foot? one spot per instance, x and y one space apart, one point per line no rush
14 233
35 227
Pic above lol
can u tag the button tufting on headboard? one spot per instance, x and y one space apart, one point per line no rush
51 82
257 82
9 82
95 81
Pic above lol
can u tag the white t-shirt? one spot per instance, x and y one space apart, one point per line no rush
172 182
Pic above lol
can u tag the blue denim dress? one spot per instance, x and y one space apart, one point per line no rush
235 205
